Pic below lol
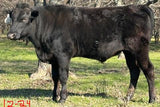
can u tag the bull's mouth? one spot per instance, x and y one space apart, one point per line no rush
13 36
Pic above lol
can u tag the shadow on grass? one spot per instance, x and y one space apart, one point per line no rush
103 95
28 93
2 71
18 67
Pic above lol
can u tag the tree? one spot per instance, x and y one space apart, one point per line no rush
44 3
43 72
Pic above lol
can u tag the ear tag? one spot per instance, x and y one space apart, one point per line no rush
8 19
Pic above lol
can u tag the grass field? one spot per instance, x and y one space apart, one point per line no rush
95 84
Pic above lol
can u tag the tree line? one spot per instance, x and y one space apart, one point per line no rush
9 4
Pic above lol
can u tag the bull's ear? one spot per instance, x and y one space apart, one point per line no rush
34 14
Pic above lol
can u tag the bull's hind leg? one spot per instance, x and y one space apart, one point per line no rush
134 73
148 70
55 77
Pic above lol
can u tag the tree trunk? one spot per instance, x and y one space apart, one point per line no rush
43 72
44 3
66 1
34 2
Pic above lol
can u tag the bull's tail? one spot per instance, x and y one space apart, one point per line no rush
151 2
149 12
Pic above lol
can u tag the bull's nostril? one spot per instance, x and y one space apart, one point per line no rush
11 35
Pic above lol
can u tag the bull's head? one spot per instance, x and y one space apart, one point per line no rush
20 18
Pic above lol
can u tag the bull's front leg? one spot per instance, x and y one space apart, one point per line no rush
63 80
55 77
63 77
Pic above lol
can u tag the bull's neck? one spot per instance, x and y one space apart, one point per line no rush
34 35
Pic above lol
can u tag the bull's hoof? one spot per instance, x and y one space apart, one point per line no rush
55 99
61 101
127 98
152 100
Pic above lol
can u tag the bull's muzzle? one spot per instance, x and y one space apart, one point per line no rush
11 36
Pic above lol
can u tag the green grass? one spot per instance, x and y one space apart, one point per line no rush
95 84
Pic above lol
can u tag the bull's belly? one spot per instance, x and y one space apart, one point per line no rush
102 57
105 50
110 49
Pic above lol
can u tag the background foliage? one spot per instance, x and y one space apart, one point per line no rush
9 4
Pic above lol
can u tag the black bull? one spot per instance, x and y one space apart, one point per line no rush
60 33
